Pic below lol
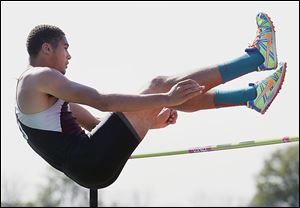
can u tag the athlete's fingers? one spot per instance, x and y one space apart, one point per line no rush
174 114
186 89
187 81
171 121
192 93
190 84
173 117
195 90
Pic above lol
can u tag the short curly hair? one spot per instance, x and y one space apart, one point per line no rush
43 34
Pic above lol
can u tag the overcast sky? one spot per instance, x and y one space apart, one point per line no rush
118 47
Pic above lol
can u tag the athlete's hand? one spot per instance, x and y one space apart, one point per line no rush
183 91
166 117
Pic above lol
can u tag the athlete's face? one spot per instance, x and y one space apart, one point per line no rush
60 56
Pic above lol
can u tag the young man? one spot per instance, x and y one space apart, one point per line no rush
49 116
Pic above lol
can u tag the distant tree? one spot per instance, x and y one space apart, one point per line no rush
61 191
11 193
278 182
58 191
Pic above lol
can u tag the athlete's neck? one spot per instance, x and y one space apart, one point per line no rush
39 62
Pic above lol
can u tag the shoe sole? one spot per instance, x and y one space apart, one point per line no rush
276 91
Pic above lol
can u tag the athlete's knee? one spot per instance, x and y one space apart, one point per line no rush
159 82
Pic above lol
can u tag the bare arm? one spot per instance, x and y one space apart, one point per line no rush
84 117
54 83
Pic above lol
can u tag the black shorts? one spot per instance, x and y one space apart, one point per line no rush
92 162
98 161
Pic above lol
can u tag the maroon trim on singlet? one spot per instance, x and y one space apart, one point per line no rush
68 122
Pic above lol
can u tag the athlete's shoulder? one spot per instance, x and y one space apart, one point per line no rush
43 70
44 73
40 76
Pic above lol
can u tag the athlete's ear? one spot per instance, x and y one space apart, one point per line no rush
46 48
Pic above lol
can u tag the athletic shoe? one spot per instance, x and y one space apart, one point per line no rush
265 42
267 90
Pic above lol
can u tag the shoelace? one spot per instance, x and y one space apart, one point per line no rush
257 38
258 34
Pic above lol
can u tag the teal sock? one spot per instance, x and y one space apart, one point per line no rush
234 97
242 65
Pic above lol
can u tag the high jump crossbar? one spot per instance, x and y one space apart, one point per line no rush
244 144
